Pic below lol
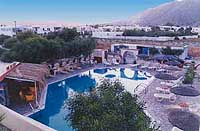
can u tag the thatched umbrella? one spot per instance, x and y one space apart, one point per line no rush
164 76
185 91
184 120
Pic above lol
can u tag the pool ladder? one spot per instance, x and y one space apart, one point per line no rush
145 86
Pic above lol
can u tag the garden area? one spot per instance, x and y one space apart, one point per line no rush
29 47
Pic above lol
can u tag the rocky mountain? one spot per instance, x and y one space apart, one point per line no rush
179 12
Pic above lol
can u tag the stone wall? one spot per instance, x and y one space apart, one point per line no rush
194 51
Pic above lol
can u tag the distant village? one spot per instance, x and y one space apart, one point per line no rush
101 31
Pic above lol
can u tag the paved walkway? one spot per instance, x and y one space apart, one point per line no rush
158 110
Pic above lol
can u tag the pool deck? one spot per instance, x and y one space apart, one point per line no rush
26 109
60 77
158 110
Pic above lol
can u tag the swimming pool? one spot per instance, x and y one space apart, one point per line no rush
54 114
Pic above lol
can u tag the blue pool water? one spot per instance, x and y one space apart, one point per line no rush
110 76
54 114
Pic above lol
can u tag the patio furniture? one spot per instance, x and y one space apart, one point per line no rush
176 129
152 68
181 106
29 98
63 71
173 82
161 70
68 68
195 109
163 90
115 62
76 66
106 63
32 89
160 97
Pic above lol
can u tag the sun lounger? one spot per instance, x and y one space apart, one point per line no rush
161 70
172 83
106 63
114 61
152 68
64 72
143 67
176 129
162 90
29 98
160 97
68 68
195 108
76 66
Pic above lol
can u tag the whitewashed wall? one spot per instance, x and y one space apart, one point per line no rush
17 122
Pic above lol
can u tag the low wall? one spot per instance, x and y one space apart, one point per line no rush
17 122
194 51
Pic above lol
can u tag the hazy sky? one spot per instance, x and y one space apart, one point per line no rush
73 11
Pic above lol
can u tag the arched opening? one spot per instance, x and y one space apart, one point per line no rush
129 57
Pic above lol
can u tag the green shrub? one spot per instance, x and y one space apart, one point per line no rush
189 75
107 108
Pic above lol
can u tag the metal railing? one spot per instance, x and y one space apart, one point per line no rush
142 85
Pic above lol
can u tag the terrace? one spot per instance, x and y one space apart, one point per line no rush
157 109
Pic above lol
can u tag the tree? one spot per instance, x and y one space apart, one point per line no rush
65 34
21 36
29 47
181 31
153 51
39 49
2 51
10 43
3 38
107 107
169 24
189 75
79 46
188 31
169 51
33 50
155 29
